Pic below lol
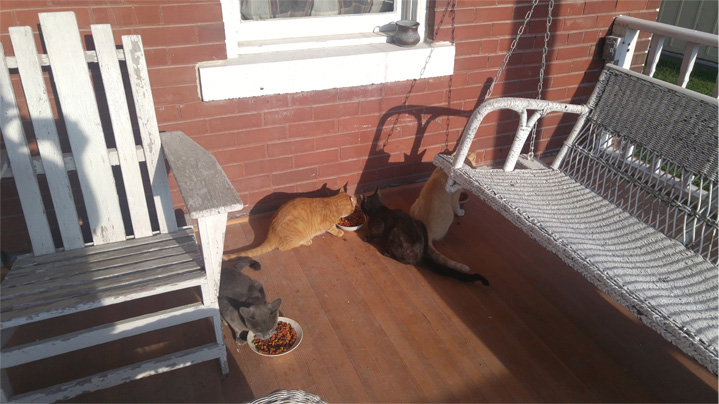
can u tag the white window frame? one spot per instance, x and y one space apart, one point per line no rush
241 36
357 49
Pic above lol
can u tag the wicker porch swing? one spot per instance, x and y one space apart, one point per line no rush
630 201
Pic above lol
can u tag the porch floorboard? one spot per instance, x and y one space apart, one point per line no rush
380 331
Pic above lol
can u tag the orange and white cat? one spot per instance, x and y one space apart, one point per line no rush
298 221
435 207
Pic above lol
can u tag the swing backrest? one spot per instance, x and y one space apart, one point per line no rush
101 164
651 148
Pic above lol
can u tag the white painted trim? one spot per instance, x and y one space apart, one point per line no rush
294 44
314 26
666 30
628 29
238 31
323 68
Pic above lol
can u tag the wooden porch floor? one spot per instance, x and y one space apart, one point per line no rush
379 331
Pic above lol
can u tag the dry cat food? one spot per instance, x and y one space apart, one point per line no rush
356 218
282 340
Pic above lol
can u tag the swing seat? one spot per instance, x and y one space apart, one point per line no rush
630 201
95 195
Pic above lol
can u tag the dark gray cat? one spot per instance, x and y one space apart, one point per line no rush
243 304
405 239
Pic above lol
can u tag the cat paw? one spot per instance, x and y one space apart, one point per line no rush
335 231
241 338
459 212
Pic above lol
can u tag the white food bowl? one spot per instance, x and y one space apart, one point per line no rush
295 326
354 228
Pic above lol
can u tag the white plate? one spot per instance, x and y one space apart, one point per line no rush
293 323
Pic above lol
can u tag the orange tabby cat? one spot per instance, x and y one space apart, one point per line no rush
436 208
297 221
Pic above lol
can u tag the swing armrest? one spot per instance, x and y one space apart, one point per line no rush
521 106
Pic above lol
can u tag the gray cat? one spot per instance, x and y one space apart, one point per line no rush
243 304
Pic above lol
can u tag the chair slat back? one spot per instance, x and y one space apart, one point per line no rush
18 153
84 128
89 106
46 135
147 121
122 128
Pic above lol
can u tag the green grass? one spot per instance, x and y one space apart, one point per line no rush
701 80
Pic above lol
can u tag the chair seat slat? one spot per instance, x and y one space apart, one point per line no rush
46 134
99 266
18 154
84 302
61 344
184 236
82 120
124 374
48 294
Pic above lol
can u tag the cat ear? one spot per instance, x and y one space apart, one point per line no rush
344 187
376 191
276 304
246 312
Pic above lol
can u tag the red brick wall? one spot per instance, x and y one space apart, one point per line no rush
285 144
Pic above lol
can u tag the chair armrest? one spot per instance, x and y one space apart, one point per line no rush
519 105
203 184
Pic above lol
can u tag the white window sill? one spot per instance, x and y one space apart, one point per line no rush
292 71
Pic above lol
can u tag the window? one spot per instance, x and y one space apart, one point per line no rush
268 9
266 23
333 43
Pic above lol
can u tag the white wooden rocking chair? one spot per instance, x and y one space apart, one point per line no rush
630 202
110 241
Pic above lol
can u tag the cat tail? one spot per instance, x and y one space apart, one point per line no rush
261 249
247 262
439 258
439 269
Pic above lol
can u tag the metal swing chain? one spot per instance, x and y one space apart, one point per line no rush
511 49
421 72
530 154
449 87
